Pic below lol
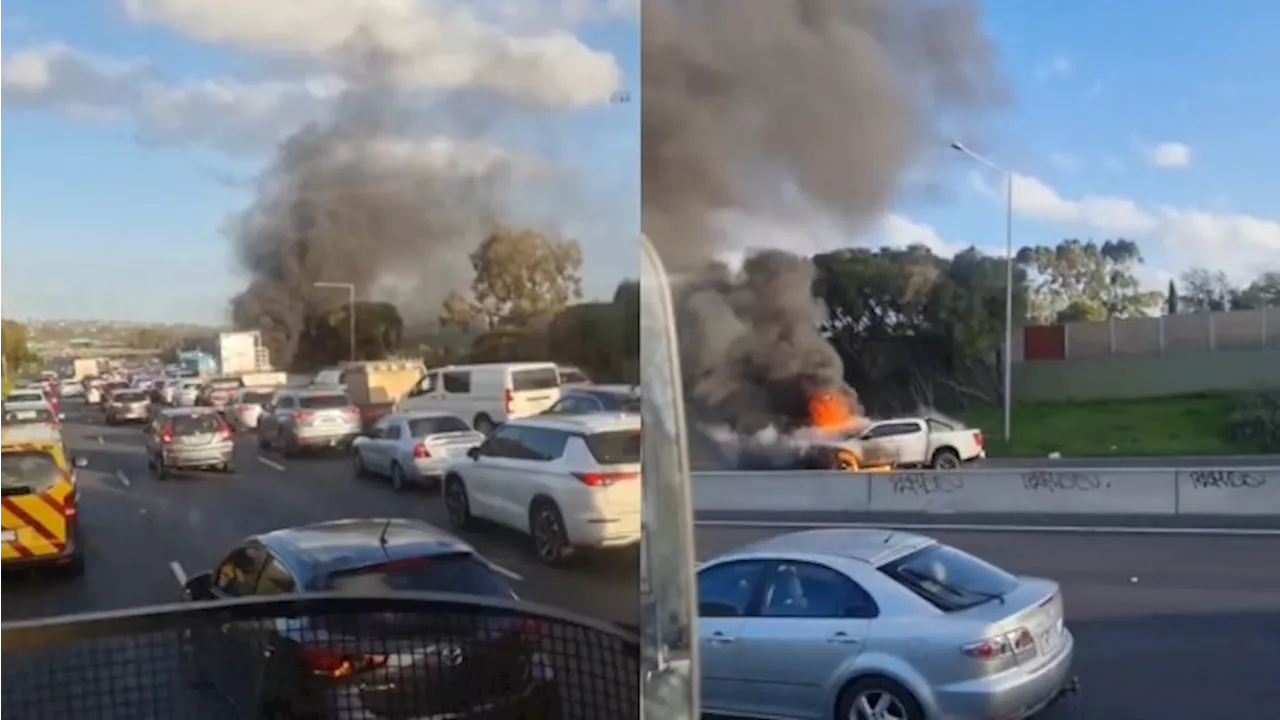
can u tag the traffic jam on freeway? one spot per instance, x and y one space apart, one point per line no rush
130 488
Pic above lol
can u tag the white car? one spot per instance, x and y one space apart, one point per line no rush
568 482
71 389
413 448
486 394
922 442
187 392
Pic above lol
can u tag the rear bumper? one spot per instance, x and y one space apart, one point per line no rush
203 457
604 532
1015 695
69 553
327 437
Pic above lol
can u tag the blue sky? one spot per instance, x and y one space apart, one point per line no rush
118 177
1143 119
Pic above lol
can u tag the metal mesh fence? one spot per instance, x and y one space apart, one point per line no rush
321 656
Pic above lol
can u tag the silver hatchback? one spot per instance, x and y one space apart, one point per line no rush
189 439
876 625
308 419
127 405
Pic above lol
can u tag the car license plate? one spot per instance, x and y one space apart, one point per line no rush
8 536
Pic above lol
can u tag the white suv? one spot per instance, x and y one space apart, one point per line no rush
567 482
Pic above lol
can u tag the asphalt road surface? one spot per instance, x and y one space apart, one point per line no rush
141 533
1172 627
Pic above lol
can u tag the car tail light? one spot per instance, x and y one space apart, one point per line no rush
333 664
225 431
166 434
420 451
508 399
978 439
604 479
69 505
1000 647
303 415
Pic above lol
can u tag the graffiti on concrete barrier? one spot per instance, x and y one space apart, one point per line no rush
1226 479
1063 481
925 483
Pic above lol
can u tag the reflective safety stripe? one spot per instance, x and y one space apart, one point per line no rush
38 522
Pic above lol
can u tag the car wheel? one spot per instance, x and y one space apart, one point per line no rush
457 503
357 463
162 472
228 467
287 448
878 698
945 459
397 477
262 441
550 539
483 424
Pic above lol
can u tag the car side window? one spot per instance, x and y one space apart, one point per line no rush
729 590
458 383
809 590
238 574
284 402
543 444
275 579
505 442
391 431
427 384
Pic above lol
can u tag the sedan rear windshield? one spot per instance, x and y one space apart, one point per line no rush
256 398
535 379
129 397
615 447
323 402
457 573
27 416
26 397
196 424
424 427
950 579
28 472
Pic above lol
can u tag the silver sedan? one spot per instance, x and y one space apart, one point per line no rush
413 447
877 625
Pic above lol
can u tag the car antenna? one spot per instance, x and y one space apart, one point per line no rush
888 537
382 537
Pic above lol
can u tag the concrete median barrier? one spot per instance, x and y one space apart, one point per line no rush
1074 491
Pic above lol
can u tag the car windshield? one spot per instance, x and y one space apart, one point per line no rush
196 424
615 447
949 578
256 398
26 397
129 397
571 377
456 573
28 472
27 416
422 427
618 402
323 402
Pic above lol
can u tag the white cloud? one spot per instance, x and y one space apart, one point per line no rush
1169 155
1240 245
435 45
899 231
228 114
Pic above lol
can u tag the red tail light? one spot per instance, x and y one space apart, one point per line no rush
604 479
977 438
166 434
329 663
1008 645
508 399
303 415
225 431
420 451
69 505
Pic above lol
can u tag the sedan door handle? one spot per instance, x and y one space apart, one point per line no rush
718 638
843 639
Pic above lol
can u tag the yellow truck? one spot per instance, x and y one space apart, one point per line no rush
375 385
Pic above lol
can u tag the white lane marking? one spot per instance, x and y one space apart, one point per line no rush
271 464
124 479
178 572
512 574
953 527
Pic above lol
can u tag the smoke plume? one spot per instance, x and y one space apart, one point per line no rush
787 111
363 197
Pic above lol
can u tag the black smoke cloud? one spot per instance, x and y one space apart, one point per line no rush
787 111
362 198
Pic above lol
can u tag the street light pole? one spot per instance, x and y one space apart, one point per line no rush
1008 283
351 310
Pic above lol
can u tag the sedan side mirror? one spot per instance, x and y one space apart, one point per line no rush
198 587
474 452
80 462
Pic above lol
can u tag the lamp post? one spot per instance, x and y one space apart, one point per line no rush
1008 291
351 304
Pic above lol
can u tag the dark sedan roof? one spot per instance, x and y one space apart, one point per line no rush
339 545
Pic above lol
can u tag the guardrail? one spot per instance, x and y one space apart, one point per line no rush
305 656
1101 491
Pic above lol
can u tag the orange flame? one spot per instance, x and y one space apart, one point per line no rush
831 410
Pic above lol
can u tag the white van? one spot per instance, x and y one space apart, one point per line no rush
488 394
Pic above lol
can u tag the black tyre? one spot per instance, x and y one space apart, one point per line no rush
357 464
397 478
878 698
457 504
945 459
546 527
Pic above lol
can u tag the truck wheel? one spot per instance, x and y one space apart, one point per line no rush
945 459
